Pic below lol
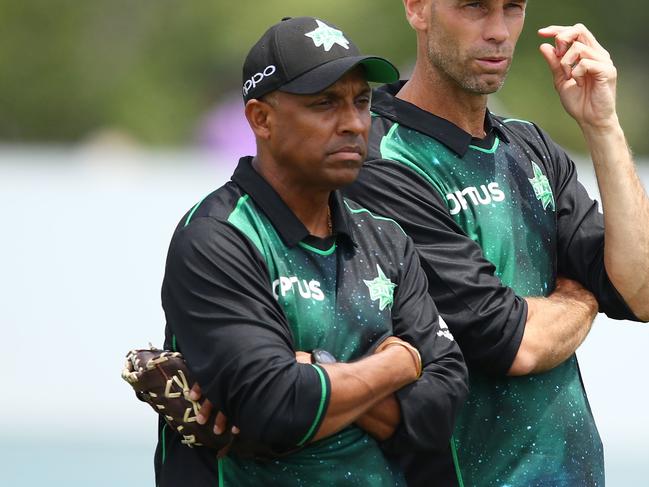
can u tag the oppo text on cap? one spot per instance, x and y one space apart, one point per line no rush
257 78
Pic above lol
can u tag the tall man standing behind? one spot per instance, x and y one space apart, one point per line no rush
493 202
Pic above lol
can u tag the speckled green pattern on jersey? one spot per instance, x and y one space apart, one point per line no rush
512 431
324 311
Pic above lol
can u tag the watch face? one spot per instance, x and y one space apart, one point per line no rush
319 356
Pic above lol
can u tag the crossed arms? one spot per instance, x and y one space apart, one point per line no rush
237 341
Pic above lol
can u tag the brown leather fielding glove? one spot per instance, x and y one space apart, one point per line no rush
161 379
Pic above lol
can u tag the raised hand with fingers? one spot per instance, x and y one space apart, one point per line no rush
584 75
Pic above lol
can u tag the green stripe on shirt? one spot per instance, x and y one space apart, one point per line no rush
323 400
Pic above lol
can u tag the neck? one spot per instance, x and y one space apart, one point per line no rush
436 93
310 206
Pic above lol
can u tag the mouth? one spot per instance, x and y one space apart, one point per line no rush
348 148
348 152
493 63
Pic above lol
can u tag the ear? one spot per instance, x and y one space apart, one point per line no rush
258 115
417 12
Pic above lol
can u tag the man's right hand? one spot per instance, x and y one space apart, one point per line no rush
571 289
204 414
382 419
555 327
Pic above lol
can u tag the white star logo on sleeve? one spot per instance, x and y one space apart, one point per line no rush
327 36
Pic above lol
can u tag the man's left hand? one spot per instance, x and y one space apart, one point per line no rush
584 75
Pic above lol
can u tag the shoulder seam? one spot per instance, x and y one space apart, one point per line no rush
374 216
193 210
508 120
409 165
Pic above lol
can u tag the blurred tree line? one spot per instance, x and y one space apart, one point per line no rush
153 68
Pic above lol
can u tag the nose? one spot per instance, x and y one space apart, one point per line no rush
353 119
496 28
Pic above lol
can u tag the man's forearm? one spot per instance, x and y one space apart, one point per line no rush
382 419
555 327
586 79
357 387
626 214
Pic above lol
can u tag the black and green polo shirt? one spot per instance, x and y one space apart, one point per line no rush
493 220
246 286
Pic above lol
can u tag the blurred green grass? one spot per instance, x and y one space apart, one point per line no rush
153 68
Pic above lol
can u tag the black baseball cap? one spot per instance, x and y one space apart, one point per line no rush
305 55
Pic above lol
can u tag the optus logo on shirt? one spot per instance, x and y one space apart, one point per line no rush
484 195
306 289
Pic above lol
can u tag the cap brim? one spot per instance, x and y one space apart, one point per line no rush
377 69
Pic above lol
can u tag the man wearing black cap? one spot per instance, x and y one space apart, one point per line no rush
274 276
498 217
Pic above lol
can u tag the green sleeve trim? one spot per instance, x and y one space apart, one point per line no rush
376 217
507 120
487 151
456 463
191 213
164 442
318 251
323 401
219 467
174 346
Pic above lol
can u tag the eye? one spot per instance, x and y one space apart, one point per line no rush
516 6
474 8
363 100
322 103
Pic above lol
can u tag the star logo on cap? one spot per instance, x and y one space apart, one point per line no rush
327 36
541 186
381 289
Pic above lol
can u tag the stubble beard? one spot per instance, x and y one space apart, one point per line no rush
451 65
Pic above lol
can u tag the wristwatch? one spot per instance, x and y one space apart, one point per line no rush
319 356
